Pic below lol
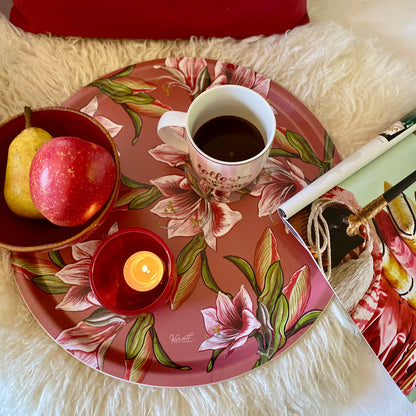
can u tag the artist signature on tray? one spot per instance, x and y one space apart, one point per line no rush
178 339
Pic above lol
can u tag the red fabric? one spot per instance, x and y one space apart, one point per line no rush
162 19
391 332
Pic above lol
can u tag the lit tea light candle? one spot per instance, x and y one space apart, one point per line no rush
143 271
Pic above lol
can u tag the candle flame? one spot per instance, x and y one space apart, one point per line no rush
143 271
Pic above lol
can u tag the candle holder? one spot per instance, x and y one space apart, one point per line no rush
107 278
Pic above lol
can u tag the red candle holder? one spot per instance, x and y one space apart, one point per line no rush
106 272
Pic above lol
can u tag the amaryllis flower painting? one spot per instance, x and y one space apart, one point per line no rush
230 323
169 155
188 73
279 313
192 75
79 296
227 73
90 339
189 214
279 180
92 110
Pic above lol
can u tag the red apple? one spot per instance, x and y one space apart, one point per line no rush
70 180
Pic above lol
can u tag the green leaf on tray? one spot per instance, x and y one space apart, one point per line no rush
161 355
307 319
37 266
56 258
273 284
302 147
247 270
214 356
281 152
207 277
138 98
136 336
137 123
50 284
329 151
124 72
131 183
278 318
189 253
145 199
111 88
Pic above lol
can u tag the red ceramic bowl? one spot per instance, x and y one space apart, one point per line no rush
21 234
106 272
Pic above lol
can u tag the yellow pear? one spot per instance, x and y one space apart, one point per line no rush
21 152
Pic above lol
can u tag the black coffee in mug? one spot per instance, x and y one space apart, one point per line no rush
229 138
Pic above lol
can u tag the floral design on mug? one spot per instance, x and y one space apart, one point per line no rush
217 181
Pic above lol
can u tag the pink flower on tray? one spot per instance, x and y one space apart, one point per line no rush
226 73
189 214
169 155
229 324
90 339
279 180
92 110
79 296
187 73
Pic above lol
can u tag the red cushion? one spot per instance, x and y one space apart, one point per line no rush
158 19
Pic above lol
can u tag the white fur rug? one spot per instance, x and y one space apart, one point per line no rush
354 87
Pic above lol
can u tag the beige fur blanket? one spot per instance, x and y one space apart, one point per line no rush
354 87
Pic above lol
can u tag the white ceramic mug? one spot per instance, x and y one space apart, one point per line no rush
231 100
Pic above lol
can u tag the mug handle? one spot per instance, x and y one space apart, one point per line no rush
165 129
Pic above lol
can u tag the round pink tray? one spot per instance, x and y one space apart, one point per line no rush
247 291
